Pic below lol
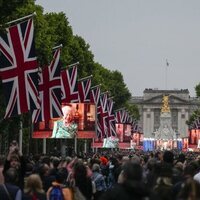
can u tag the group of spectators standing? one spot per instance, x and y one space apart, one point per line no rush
161 175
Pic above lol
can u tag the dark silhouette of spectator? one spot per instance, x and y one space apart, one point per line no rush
16 160
130 185
43 171
163 189
1 169
99 181
9 190
81 180
60 181
188 173
190 190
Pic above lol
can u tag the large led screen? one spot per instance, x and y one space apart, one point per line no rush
78 118
110 142
123 132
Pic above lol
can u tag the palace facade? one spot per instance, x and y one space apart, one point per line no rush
150 104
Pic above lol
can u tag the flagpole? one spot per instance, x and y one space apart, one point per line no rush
68 66
73 64
20 136
21 19
119 109
95 86
166 71
85 78
56 47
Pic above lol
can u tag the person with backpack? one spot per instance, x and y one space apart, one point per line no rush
59 190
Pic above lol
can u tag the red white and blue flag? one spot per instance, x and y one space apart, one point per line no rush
84 86
50 91
18 69
95 94
135 127
111 118
69 85
102 114
119 116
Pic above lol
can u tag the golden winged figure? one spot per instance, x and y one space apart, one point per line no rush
165 106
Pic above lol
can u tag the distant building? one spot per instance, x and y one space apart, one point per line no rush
150 104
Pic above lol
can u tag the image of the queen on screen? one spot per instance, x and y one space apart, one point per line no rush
65 127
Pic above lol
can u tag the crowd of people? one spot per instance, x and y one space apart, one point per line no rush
110 175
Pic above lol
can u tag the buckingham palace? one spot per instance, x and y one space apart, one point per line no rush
181 107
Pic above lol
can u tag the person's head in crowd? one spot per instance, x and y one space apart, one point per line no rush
14 161
168 157
181 158
61 175
103 160
179 166
43 170
135 158
190 190
29 168
79 170
46 160
11 176
165 170
55 162
151 164
131 171
95 167
159 155
33 184
189 170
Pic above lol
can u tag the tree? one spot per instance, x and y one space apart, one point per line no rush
196 113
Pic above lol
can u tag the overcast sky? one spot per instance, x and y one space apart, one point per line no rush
136 37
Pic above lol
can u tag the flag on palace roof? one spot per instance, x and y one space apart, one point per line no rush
69 84
84 86
18 69
50 91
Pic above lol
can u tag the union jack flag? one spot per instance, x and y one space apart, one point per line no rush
50 91
119 116
18 69
102 114
95 94
111 118
84 86
125 116
69 85
135 127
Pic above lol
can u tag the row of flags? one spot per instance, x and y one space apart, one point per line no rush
42 91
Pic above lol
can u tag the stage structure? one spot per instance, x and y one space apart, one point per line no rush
165 138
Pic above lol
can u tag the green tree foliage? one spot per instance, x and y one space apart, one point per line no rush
196 113
197 89
133 110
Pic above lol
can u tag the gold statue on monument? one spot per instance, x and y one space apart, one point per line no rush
165 107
